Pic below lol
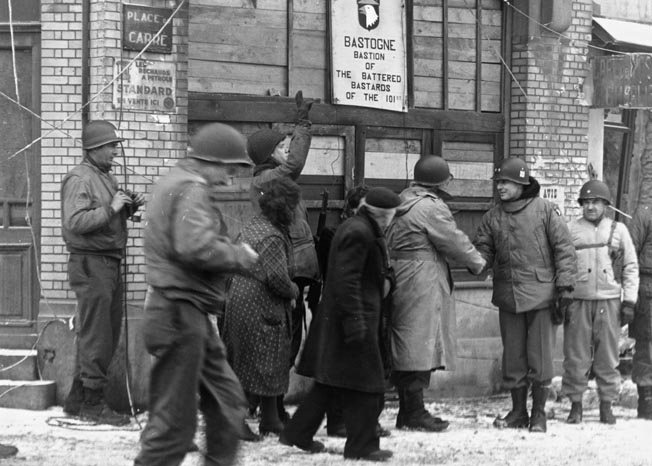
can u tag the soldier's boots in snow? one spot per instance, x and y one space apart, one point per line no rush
538 416
94 409
606 415
75 398
575 415
518 416
412 413
644 402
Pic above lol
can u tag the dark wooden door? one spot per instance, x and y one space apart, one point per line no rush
19 187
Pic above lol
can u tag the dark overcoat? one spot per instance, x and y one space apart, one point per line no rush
358 266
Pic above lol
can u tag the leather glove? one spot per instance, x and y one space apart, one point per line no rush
303 106
354 330
564 300
626 313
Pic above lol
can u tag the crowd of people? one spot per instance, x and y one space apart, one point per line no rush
386 312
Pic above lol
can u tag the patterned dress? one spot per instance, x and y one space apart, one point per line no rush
257 329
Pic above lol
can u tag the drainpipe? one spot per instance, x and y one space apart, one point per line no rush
86 69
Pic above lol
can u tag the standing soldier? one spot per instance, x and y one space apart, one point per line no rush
422 238
188 257
95 211
641 327
592 324
528 244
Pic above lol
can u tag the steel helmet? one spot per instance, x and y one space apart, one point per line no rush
98 133
513 169
432 170
595 189
219 143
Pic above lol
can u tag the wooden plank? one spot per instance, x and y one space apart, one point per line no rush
204 106
462 49
425 99
491 50
214 77
428 13
492 17
470 188
468 31
429 68
220 16
461 70
310 6
310 21
463 101
491 72
491 103
236 53
468 155
241 35
428 47
428 29
491 88
464 15
384 165
396 146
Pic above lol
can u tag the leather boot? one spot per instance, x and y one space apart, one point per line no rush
538 417
644 402
75 398
575 415
517 417
94 409
606 414
416 416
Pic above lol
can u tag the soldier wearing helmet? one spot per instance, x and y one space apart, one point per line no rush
423 238
527 243
189 256
607 270
94 225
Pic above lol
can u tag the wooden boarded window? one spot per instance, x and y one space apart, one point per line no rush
456 54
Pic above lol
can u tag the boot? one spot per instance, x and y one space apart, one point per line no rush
575 415
606 415
269 420
75 398
517 417
283 415
416 416
94 409
538 417
644 402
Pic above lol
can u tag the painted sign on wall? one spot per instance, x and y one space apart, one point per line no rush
141 23
368 54
623 81
146 85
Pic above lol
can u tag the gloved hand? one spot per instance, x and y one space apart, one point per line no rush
354 330
303 106
626 313
564 300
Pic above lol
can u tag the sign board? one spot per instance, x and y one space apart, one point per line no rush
368 53
147 86
554 194
622 81
140 25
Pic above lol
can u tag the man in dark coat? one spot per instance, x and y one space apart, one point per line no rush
189 256
343 351
528 244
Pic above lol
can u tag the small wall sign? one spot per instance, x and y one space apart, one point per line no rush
140 25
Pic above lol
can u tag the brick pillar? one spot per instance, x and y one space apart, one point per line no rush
548 120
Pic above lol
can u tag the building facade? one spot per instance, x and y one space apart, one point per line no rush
483 80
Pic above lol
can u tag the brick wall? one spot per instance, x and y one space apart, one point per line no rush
549 121
153 140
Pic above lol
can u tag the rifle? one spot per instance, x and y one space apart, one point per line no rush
323 213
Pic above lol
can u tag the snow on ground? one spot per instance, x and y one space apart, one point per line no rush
470 440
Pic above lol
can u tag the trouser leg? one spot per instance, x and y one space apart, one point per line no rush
97 284
578 331
174 334
223 404
513 333
308 417
606 333
361 411
642 363
540 344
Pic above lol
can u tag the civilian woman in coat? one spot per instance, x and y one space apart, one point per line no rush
257 329
343 350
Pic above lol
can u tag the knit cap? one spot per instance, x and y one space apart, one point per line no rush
382 198
261 144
